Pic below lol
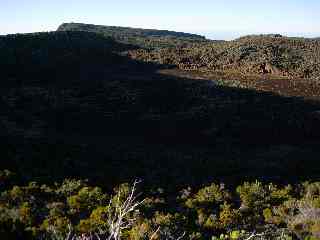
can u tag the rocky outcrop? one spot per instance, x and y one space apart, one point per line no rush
265 54
268 68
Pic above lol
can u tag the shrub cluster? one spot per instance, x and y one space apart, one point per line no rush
37 211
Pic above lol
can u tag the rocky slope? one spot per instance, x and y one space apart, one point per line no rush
271 54
262 54
72 105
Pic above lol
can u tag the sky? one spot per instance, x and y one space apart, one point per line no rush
224 19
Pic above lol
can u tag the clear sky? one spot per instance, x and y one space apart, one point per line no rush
224 19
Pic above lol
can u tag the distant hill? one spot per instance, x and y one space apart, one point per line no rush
253 54
148 38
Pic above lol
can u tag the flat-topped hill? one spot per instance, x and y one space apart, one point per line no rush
142 37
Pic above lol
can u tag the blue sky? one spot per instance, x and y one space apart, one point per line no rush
215 19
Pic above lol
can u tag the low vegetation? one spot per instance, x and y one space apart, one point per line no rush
216 211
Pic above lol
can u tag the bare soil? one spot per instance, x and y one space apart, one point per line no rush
284 86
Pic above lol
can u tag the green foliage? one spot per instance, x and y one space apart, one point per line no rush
59 224
228 217
252 195
42 210
70 187
280 195
86 199
211 195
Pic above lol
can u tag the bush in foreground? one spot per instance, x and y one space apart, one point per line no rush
75 210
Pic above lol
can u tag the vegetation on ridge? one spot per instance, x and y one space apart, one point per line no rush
145 38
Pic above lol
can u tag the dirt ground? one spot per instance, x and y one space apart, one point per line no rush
284 86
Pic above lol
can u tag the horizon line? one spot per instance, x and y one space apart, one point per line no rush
226 35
